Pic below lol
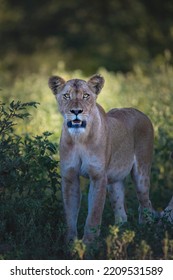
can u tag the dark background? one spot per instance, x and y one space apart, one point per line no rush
115 34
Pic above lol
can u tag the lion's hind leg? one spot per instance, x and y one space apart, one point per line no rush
116 195
141 178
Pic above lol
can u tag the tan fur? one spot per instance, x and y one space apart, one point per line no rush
105 147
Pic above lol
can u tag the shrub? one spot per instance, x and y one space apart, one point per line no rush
30 209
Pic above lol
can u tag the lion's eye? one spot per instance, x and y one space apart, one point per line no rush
86 96
66 96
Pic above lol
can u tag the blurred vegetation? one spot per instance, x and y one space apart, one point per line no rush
115 34
130 44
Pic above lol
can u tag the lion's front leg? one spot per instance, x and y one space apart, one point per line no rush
96 201
71 198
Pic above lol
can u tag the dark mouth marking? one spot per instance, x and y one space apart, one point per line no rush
76 124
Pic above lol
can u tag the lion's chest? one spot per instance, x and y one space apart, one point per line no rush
90 164
84 161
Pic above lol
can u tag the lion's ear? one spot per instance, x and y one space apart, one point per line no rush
55 83
96 83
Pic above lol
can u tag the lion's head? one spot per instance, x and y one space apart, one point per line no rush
76 99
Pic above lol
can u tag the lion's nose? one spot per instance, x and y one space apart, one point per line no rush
76 111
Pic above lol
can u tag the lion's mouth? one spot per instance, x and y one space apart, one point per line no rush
76 123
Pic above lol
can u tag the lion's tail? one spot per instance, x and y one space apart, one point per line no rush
167 213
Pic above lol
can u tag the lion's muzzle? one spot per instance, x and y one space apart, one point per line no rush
76 124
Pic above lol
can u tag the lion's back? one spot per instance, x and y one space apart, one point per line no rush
131 117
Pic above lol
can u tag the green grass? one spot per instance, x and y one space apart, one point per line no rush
32 221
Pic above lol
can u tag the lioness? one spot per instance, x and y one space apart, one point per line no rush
105 147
